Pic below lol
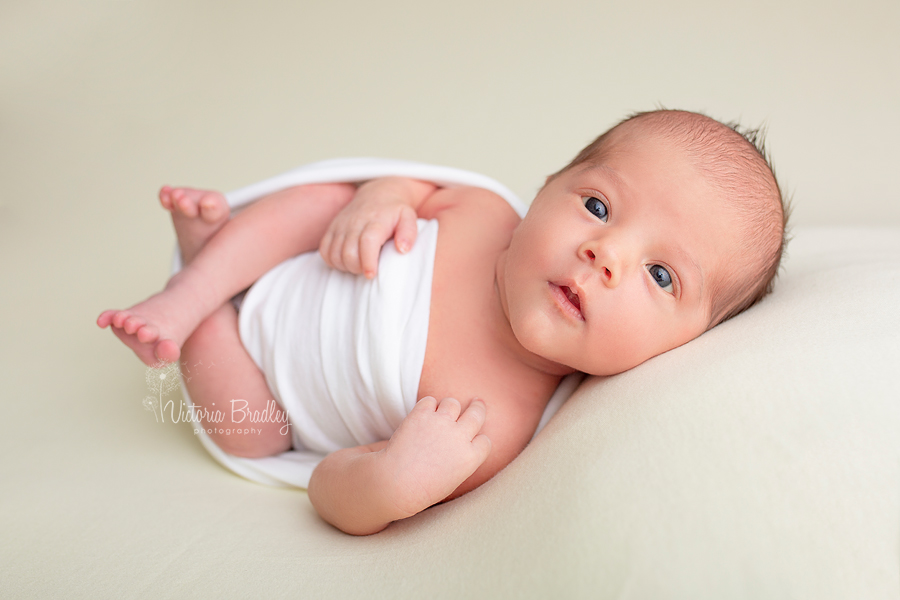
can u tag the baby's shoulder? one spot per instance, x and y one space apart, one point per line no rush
475 226
472 206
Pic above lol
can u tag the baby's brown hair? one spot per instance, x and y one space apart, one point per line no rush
735 162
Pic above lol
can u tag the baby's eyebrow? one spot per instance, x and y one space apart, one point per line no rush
688 258
617 182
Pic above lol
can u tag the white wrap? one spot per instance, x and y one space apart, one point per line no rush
345 361
343 354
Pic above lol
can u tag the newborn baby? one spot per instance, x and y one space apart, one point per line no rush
663 227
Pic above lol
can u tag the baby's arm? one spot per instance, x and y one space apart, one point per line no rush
362 490
380 209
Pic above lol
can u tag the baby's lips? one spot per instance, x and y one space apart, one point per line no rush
569 288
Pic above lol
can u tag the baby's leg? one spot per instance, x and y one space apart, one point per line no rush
263 235
196 216
221 376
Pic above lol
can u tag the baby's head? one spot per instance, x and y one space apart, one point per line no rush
735 163
666 225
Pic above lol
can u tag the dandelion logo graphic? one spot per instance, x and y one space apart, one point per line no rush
151 403
161 380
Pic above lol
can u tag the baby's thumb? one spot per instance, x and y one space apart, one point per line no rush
406 231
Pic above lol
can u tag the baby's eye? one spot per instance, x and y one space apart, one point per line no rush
596 207
661 276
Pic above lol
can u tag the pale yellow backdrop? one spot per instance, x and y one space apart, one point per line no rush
102 101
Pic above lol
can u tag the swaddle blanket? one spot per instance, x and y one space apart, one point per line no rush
343 354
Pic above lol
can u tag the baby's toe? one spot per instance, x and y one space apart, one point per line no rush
165 197
186 206
105 318
147 334
132 324
167 351
118 320
213 208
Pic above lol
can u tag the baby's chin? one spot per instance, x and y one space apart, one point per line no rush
547 354
608 364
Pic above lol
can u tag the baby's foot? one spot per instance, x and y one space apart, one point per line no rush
156 328
196 215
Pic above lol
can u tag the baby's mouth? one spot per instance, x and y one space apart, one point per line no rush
571 296
569 300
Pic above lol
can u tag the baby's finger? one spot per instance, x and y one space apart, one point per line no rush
482 446
325 247
370 244
449 407
473 417
407 230
426 404
334 253
350 255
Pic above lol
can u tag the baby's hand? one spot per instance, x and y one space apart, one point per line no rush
434 450
380 209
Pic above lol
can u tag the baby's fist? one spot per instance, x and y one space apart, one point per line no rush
436 448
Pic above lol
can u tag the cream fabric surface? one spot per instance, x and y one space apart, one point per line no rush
760 461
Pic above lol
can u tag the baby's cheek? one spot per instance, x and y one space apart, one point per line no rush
657 339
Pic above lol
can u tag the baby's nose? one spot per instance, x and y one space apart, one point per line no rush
604 259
